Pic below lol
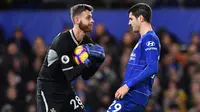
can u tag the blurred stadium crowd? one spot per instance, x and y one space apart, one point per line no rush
176 87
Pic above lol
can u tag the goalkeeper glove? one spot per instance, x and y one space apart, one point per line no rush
95 51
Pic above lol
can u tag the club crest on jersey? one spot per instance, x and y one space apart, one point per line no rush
150 43
65 59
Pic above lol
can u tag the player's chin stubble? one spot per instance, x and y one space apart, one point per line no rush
85 28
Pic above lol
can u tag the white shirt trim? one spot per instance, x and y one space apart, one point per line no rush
45 102
74 39
65 69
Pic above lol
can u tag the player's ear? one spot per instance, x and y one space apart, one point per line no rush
141 18
76 19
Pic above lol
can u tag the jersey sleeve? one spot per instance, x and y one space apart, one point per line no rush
89 72
151 50
66 59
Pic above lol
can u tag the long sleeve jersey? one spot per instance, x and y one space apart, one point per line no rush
142 67
59 68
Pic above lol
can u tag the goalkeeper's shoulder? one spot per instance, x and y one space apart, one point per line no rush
87 39
62 38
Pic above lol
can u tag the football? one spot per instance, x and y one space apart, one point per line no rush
80 54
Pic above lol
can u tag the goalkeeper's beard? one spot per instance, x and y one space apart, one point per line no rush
85 28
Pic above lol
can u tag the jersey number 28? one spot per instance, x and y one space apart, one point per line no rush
76 102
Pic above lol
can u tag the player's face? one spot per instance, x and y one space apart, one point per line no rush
86 21
134 22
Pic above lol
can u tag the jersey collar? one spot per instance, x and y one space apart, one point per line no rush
73 37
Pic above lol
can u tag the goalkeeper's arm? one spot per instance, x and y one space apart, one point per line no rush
90 65
96 60
75 72
89 72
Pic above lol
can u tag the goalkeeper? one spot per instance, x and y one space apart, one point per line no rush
54 90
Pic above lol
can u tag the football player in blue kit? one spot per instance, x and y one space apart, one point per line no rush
142 66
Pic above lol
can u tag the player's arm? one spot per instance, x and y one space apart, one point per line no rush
75 72
66 59
152 56
69 70
89 72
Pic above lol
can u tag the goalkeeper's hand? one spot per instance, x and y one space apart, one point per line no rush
95 51
87 62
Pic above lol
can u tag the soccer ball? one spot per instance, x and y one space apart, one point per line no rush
80 54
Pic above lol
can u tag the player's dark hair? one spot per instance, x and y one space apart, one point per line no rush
142 9
79 8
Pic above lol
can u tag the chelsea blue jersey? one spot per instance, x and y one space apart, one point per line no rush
142 68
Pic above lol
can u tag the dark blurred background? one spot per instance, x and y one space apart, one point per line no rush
27 28
105 4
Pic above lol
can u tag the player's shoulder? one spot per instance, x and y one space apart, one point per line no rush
150 36
62 39
86 40
65 35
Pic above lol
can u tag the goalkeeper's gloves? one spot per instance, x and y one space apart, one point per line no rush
95 51
87 62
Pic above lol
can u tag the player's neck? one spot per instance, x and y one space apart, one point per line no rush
79 34
145 27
